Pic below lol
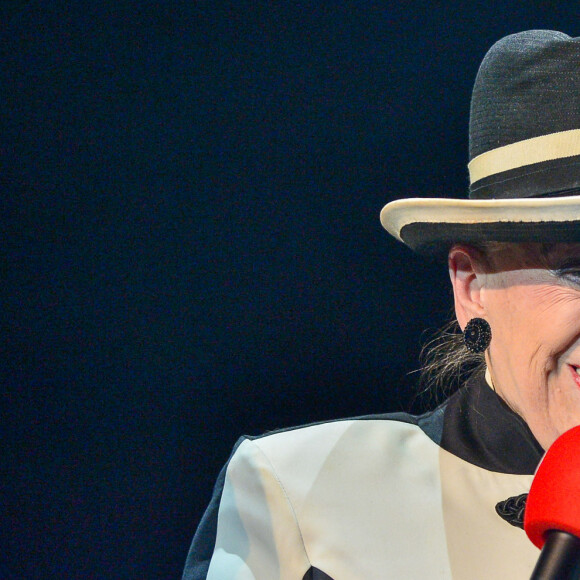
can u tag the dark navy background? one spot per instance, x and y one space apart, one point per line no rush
191 245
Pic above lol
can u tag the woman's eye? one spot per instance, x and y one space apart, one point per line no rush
570 274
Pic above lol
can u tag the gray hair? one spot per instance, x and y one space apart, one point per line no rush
446 363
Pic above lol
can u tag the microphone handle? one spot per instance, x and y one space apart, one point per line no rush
559 558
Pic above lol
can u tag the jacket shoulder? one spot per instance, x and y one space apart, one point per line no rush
431 423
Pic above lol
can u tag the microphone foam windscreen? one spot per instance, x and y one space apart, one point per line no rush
554 499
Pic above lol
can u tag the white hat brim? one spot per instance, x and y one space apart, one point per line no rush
482 215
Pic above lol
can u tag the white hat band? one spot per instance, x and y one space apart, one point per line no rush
527 152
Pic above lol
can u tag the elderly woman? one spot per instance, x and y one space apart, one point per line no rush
441 495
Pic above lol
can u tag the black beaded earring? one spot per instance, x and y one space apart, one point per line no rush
477 335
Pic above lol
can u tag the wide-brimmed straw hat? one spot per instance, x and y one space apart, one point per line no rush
524 153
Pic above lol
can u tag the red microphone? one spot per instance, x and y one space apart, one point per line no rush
552 515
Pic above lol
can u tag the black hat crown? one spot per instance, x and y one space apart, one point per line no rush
527 92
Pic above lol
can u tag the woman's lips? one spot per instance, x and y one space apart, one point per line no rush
575 373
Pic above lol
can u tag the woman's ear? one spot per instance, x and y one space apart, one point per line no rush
466 278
